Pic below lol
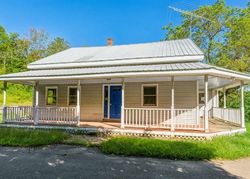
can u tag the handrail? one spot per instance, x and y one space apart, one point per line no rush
48 115
162 118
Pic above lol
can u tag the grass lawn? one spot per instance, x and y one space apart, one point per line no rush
28 137
227 147
33 138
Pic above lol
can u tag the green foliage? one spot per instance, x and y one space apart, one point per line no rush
16 52
29 137
224 38
17 94
57 45
227 147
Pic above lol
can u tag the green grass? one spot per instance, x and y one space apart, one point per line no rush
28 137
77 140
32 138
227 147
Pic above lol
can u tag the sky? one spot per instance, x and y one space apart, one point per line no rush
91 22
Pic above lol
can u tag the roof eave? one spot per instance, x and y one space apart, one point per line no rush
211 71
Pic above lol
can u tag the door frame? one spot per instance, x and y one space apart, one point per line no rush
103 88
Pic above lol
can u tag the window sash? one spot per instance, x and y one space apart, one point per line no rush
51 99
72 98
152 96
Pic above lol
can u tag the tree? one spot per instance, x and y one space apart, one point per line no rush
13 52
57 45
235 52
205 33
39 40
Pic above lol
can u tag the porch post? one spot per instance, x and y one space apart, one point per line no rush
78 108
123 104
172 105
217 99
197 104
206 103
34 96
242 105
225 98
4 101
36 109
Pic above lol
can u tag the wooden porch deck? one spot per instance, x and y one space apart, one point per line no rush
215 126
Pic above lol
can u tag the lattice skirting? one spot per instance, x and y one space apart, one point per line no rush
135 133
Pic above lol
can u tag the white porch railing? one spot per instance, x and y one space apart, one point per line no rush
46 115
188 119
19 114
147 117
57 115
227 114
161 118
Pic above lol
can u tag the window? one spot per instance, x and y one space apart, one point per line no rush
72 96
201 98
149 95
51 94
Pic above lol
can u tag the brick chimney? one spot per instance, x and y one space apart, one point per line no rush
109 41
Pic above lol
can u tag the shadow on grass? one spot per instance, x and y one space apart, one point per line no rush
157 148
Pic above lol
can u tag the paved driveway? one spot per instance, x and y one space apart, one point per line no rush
61 161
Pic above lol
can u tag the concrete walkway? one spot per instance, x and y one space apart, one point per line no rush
239 167
61 161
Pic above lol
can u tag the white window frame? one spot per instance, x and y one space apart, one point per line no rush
68 95
201 92
142 94
46 95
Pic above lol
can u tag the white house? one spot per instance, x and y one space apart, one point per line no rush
157 86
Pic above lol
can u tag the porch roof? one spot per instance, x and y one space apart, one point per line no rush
191 68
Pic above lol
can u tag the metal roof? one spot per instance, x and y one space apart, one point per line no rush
124 70
172 48
110 70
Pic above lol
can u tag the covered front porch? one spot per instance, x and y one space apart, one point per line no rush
206 117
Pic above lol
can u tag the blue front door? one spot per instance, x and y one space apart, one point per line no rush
115 102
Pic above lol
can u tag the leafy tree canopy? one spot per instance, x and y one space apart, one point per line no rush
16 51
223 34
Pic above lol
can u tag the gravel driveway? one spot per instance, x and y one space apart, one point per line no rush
61 161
